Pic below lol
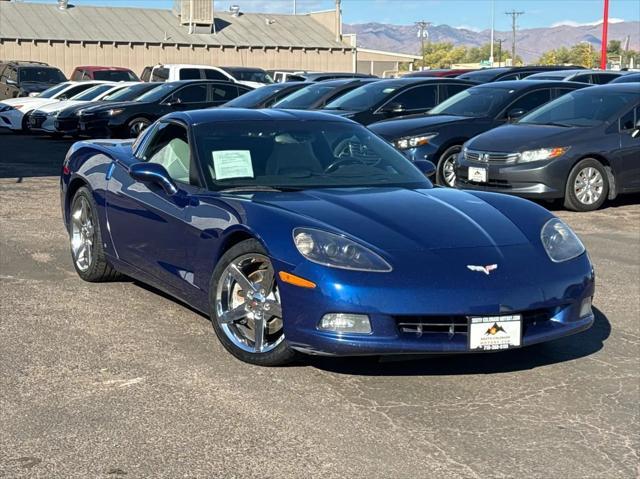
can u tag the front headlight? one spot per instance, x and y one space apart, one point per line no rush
560 242
336 251
414 141
542 154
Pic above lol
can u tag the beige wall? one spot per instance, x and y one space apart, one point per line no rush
67 57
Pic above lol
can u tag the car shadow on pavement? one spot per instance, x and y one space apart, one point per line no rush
561 350
26 156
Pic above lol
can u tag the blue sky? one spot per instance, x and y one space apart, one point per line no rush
473 14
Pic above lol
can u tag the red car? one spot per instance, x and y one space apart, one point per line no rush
103 73
439 73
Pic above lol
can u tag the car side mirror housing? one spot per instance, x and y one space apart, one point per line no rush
173 101
516 114
153 173
392 108
34 94
11 82
426 167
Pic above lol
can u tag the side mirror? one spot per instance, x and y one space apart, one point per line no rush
173 101
153 173
636 133
392 108
515 114
11 82
34 94
426 167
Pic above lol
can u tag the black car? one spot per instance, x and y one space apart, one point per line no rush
317 94
628 78
439 135
322 76
583 147
128 119
67 120
487 75
593 77
265 96
19 78
385 99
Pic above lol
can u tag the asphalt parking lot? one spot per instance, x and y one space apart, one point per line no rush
118 380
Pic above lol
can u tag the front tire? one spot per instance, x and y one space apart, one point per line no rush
446 173
86 240
246 312
587 186
137 126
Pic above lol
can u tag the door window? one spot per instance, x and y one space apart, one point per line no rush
531 101
12 74
191 94
584 78
146 74
603 78
210 74
417 98
223 93
189 74
160 74
628 120
169 147
452 89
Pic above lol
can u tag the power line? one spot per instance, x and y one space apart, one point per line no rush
514 17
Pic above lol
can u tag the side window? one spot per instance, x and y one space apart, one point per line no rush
418 98
214 75
562 91
628 120
530 101
86 76
189 74
192 94
169 147
223 93
452 89
603 78
12 74
160 74
511 76
75 76
585 78
146 74
73 91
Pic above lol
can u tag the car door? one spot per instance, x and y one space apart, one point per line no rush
628 172
145 222
411 101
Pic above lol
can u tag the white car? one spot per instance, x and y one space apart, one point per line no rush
14 112
253 77
43 119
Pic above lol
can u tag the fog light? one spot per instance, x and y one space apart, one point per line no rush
345 323
585 307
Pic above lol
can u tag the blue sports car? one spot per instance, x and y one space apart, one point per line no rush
304 232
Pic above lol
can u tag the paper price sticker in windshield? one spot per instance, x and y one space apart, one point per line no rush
232 164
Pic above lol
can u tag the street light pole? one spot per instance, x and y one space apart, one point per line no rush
493 25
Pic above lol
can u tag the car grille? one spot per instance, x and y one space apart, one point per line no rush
417 326
490 156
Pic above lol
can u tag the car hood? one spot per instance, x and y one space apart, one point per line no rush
35 86
98 106
60 105
392 129
399 219
33 102
344 113
515 138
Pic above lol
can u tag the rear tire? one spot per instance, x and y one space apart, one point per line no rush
25 123
445 172
85 239
587 186
238 318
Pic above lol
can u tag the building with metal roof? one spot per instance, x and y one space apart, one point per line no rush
66 35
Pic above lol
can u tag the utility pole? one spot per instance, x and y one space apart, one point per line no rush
500 41
493 27
422 25
514 17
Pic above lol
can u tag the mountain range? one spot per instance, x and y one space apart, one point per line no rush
530 43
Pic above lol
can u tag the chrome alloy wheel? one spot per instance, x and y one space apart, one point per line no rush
448 170
248 306
138 127
82 234
588 186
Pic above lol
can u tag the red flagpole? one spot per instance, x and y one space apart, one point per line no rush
605 31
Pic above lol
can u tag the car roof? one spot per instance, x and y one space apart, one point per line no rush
97 68
530 84
246 114
25 63
621 87
249 69
184 65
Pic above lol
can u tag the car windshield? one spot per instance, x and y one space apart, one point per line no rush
305 97
245 74
482 75
584 108
41 75
92 93
255 97
130 93
366 96
114 75
475 102
50 92
158 93
300 155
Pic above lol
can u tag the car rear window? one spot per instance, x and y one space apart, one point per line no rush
41 75
114 75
